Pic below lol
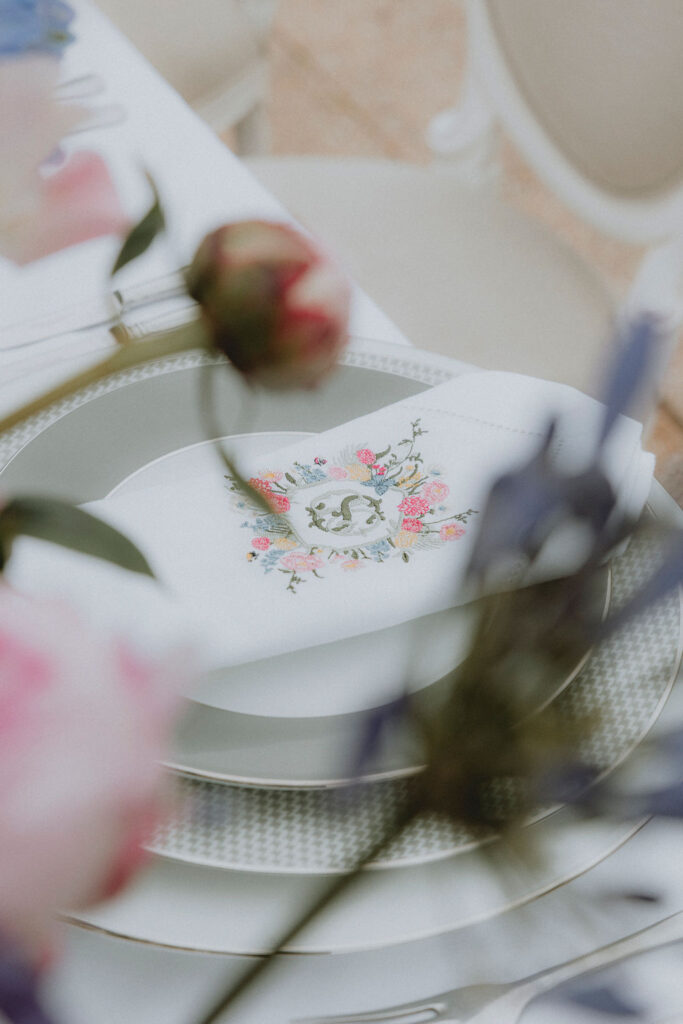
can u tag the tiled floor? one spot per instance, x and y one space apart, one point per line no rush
363 78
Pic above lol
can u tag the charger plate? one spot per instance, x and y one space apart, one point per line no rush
97 439
305 830
240 912
269 722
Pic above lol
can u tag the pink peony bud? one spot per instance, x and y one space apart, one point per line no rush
83 725
276 306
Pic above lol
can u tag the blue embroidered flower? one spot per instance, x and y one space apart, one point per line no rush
270 559
378 549
310 474
380 483
34 25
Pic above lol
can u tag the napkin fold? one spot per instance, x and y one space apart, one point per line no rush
369 525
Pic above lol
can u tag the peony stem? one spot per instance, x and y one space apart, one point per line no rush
183 339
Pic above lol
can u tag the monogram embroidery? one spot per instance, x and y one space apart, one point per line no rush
359 507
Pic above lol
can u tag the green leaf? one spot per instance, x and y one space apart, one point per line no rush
143 233
69 526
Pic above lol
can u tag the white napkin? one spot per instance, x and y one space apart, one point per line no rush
372 524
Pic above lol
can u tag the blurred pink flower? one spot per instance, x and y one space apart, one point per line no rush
260 543
42 211
435 491
366 456
451 531
273 303
412 525
83 725
338 472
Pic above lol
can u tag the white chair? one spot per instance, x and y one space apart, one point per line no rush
213 52
592 94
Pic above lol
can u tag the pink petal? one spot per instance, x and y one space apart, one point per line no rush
77 203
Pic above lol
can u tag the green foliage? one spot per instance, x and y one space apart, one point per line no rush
69 526
143 233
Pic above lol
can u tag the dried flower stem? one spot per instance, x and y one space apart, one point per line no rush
335 889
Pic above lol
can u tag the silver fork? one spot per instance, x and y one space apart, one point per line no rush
504 1004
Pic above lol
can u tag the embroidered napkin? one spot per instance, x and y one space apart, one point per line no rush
371 524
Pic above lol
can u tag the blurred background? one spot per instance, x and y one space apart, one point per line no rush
361 78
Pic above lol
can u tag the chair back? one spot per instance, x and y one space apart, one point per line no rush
592 93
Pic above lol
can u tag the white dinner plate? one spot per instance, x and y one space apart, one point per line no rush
327 679
186 906
271 721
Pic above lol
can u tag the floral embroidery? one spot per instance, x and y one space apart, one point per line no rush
451 531
414 506
348 511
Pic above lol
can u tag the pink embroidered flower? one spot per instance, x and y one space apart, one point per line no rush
337 472
365 456
451 531
414 506
278 502
381 470
435 491
260 485
260 543
412 525
84 723
297 562
352 564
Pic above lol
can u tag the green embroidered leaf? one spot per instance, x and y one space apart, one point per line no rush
69 526
141 236
288 476
380 455
405 556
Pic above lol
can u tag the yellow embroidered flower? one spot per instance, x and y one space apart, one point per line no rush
410 476
404 539
285 544
357 471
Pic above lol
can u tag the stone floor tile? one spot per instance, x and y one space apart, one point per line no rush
393 64
672 388
309 115
666 440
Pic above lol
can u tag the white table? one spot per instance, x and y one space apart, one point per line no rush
105 980
201 182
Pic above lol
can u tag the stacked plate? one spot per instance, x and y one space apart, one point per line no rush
263 755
